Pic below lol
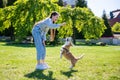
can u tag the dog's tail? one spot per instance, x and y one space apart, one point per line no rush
81 56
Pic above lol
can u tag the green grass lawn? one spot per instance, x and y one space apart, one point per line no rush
18 61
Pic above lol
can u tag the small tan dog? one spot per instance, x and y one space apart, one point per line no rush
65 51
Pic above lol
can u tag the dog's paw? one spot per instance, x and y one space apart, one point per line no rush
81 56
71 67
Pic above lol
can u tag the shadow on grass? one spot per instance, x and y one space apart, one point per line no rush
19 44
38 74
68 73
25 45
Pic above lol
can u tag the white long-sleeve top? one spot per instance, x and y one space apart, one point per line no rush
44 25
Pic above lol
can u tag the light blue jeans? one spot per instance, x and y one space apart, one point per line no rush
40 48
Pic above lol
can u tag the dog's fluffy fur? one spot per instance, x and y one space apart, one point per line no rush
65 51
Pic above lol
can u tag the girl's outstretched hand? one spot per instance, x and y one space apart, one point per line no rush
64 23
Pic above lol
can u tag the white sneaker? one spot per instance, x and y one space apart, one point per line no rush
46 65
41 67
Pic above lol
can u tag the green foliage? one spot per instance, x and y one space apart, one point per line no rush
10 2
1 18
108 31
81 3
6 16
24 14
83 20
94 28
66 17
60 2
116 27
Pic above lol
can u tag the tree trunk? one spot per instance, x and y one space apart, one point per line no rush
73 36
12 37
